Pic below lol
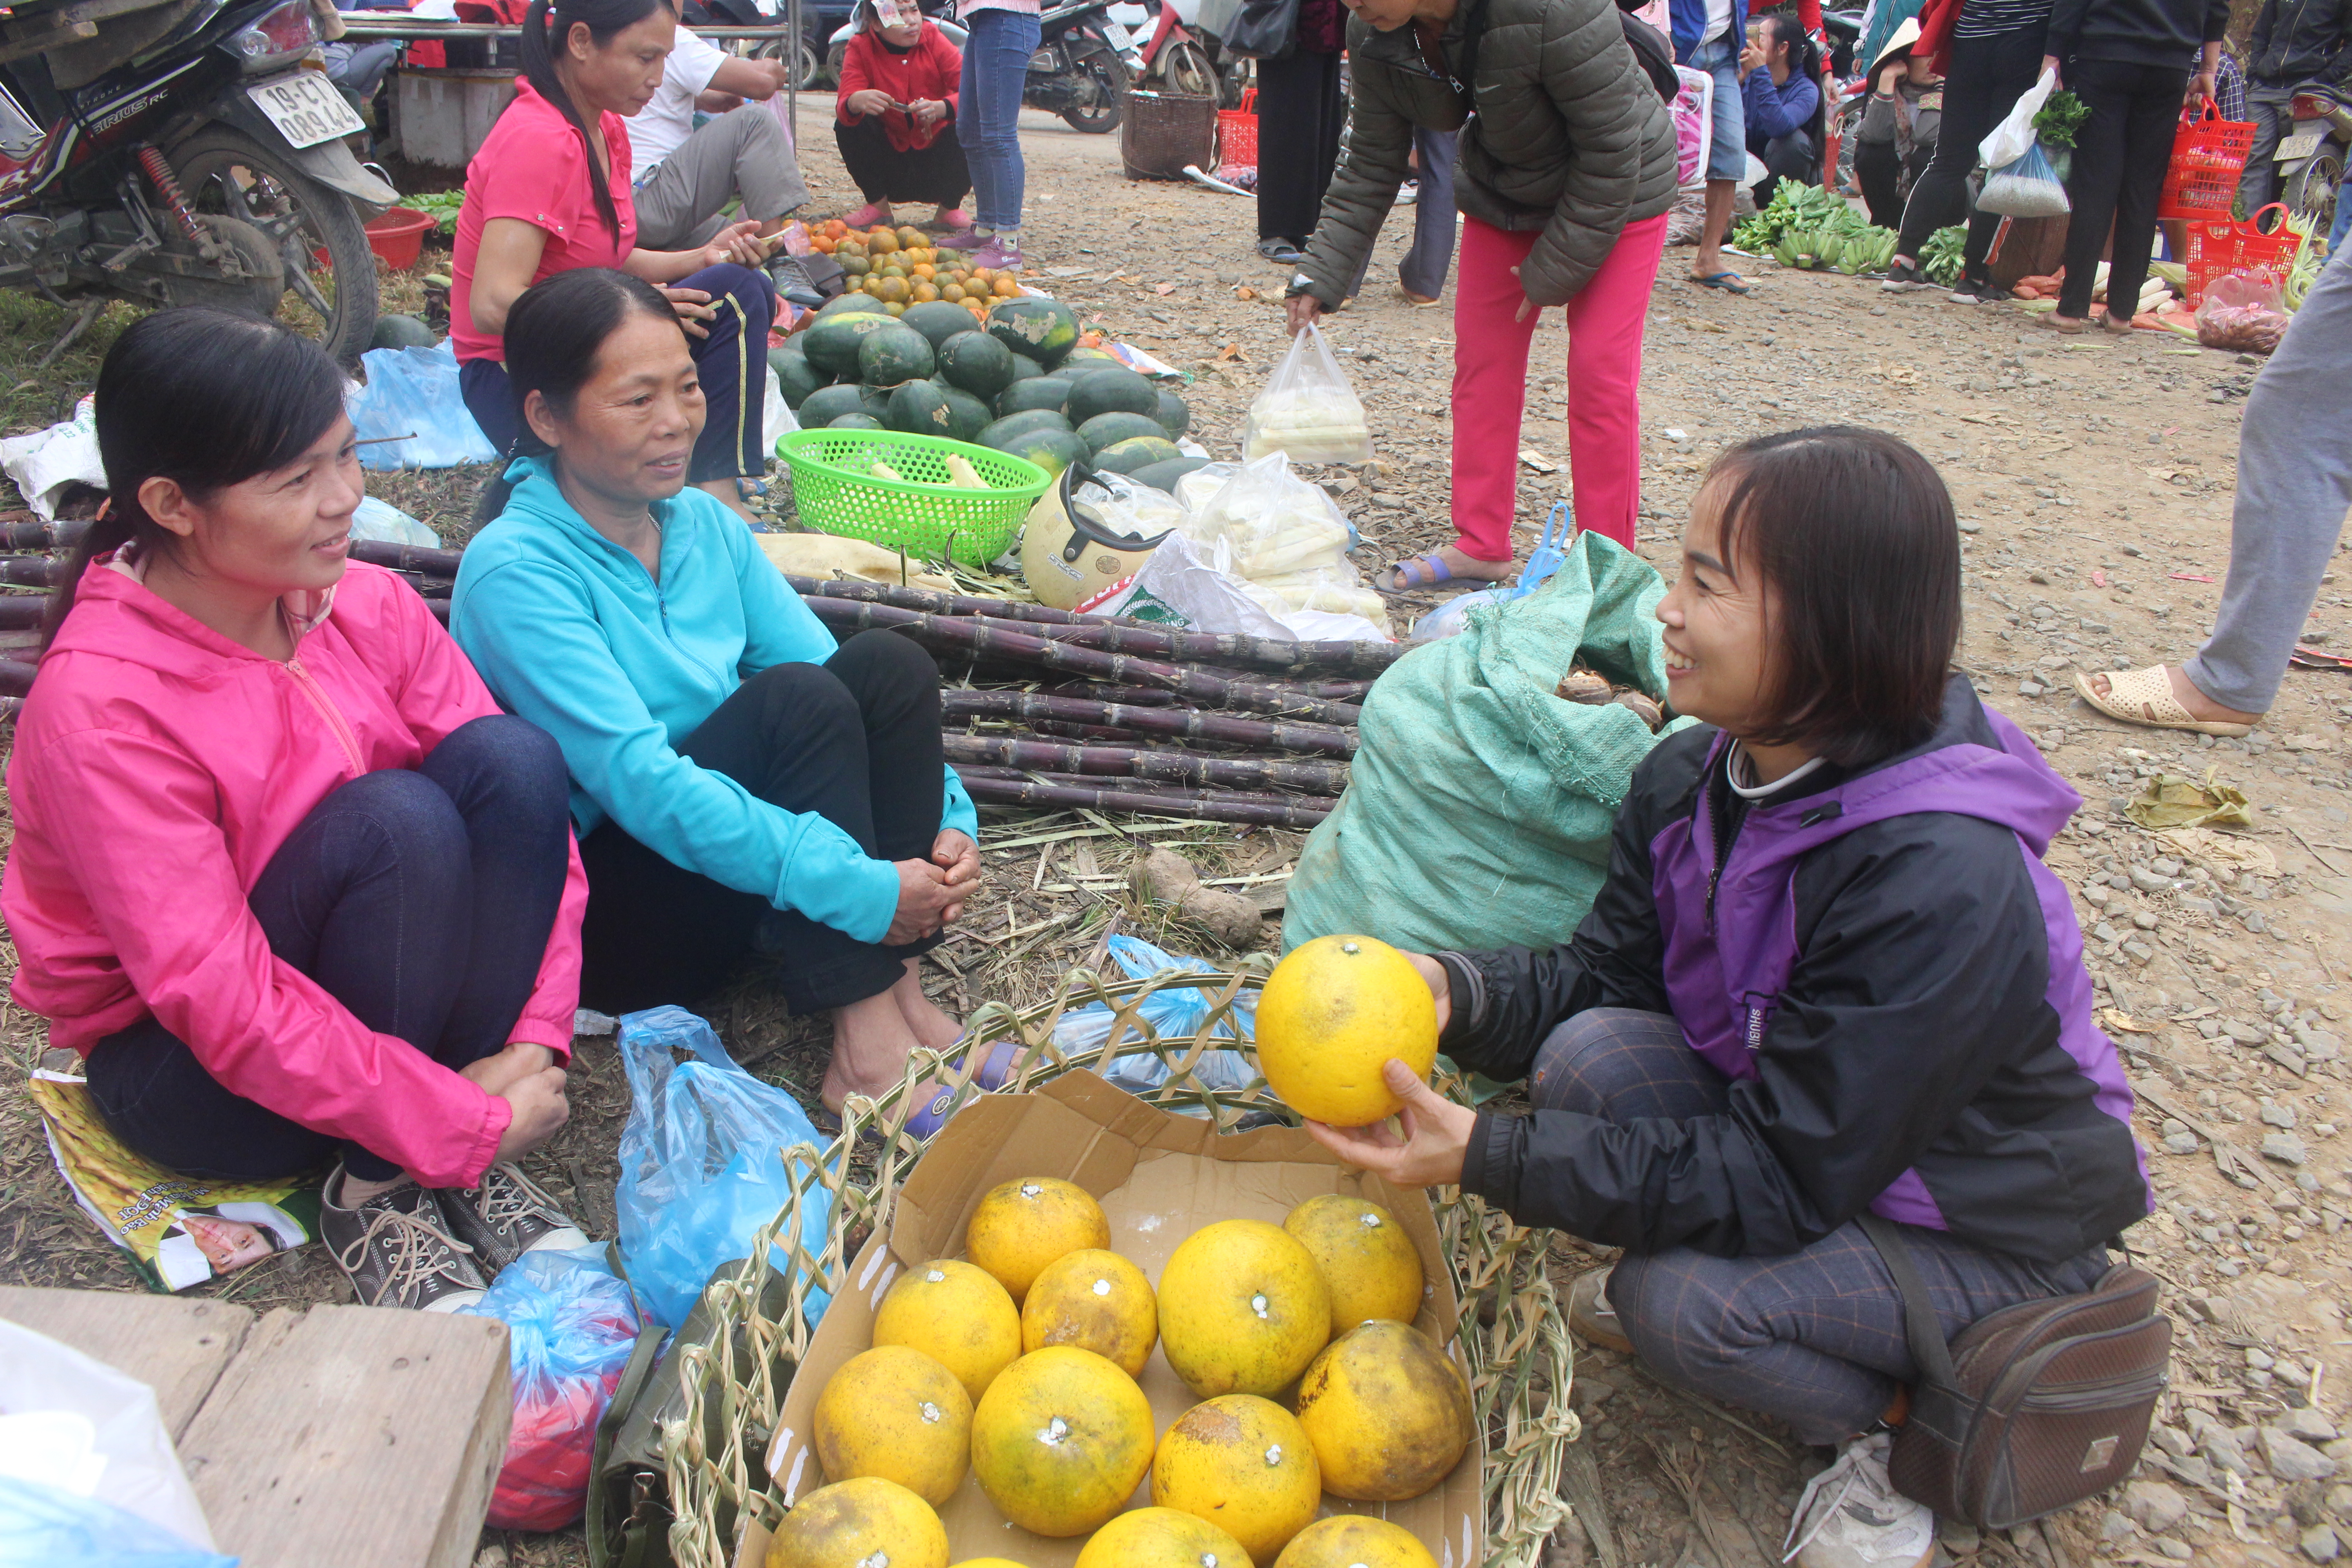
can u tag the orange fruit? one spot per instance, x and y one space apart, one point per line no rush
892 289
924 269
953 293
884 243
923 293
1006 286
821 244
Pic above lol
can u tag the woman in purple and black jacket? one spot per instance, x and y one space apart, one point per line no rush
1829 973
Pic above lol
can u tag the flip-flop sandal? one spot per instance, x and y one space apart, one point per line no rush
2144 697
1729 282
1418 572
994 1069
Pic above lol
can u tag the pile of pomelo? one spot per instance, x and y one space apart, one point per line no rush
901 267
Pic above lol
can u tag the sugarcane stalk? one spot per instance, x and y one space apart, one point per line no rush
31 571
19 610
1173 792
16 677
63 534
1199 807
1168 767
971 634
407 557
1321 740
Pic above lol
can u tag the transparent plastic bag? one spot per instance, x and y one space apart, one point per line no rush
75 1428
2244 313
413 394
41 1526
702 1163
571 1325
386 523
2014 136
2025 187
1309 410
1173 1013
1271 523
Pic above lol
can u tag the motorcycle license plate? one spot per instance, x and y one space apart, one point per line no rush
1120 39
2302 146
306 108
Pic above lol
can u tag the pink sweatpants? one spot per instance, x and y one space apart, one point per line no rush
1604 380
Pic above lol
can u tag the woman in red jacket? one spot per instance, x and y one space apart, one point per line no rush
896 123
283 873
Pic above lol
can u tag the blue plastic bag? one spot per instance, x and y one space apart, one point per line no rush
1551 551
702 1163
1176 1011
41 1528
413 393
571 1325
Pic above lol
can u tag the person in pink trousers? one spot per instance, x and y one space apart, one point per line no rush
1563 178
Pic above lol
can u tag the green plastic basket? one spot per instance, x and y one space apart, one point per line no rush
835 492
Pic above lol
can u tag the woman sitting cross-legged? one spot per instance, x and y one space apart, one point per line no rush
283 873
737 778
1828 974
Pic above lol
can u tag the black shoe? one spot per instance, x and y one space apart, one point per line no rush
1903 276
1281 250
397 1250
1977 291
507 1215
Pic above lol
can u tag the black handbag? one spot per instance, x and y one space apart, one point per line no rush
1265 30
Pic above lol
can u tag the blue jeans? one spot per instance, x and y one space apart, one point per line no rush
2343 230
1727 147
988 112
421 900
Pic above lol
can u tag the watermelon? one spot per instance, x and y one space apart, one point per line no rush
919 408
1023 367
1052 450
1042 328
977 362
939 320
876 401
1175 416
854 302
827 404
830 344
856 422
398 332
1038 392
1113 390
1078 361
795 375
897 353
1137 452
1105 430
967 415
1164 476
1020 425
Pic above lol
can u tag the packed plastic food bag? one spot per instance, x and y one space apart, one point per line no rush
702 1163
571 1325
2029 187
1271 522
1174 1013
412 411
43 1526
1309 410
2243 313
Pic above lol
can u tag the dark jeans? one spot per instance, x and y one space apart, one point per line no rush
1987 77
937 173
1815 1337
2120 156
1301 114
856 740
730 360
1791 157
422 901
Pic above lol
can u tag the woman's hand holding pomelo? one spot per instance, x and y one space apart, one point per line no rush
1436 1135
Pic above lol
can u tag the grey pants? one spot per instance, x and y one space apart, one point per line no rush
1423 267
1815 1337
2270 107
740 153
2294 485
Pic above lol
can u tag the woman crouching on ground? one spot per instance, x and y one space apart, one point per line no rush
283 873
737 778
1828 973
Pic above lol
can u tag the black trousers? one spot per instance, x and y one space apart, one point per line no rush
1299 117
936 174
854 740
2120 156
1879 167
1790 157
1987 77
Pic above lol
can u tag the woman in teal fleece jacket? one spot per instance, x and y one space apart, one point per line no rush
737 779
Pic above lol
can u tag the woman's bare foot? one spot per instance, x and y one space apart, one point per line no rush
2186 693
871 1047
932 1027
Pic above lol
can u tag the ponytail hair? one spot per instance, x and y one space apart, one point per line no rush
1804 54
543 27
555 329
206 398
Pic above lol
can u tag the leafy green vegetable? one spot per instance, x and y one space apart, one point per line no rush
441 205
1939 259
2060 119
1794 206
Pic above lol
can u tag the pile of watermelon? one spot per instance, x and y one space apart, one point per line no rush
1018 382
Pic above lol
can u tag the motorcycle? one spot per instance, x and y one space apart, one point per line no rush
1180 59
188 153
2311 161
1081 70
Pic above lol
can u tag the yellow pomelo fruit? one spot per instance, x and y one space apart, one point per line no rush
1372 1265
1354 1541
957 1315
1060 1440
868 1520
1098 1301
990 1562
1022 1225
1388 1412
898 1413
1161 1538
1243 1309
1332 1013
1244 1465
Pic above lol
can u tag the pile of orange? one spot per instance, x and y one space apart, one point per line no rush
900 268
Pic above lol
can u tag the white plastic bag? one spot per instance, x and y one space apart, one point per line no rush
1273 521
1175 587
45 462
1309 410
2008 142
74 1426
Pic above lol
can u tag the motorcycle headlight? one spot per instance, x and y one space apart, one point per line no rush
280 36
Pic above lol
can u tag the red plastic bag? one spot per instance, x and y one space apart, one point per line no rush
571 1327
2243 313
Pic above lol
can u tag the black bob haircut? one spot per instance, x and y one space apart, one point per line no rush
1854 532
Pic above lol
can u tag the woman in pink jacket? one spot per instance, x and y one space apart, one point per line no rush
283 873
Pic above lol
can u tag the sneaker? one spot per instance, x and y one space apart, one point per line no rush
1851 1516
953 219
1977 291
1903 276
967 238
507 1215
1590 1316
1408 194
1003 251
869 214
397 1249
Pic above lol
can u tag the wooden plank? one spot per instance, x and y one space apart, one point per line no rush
358 1437
176 1347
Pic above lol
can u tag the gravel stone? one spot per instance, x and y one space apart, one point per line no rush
2320 1543
2293 1460
2154 1505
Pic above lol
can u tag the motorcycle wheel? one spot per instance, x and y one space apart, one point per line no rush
2316 188
1186 71
806 62
229 173
1101 88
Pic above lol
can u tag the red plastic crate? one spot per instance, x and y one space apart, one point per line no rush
1237 133
2218 248
2208 155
